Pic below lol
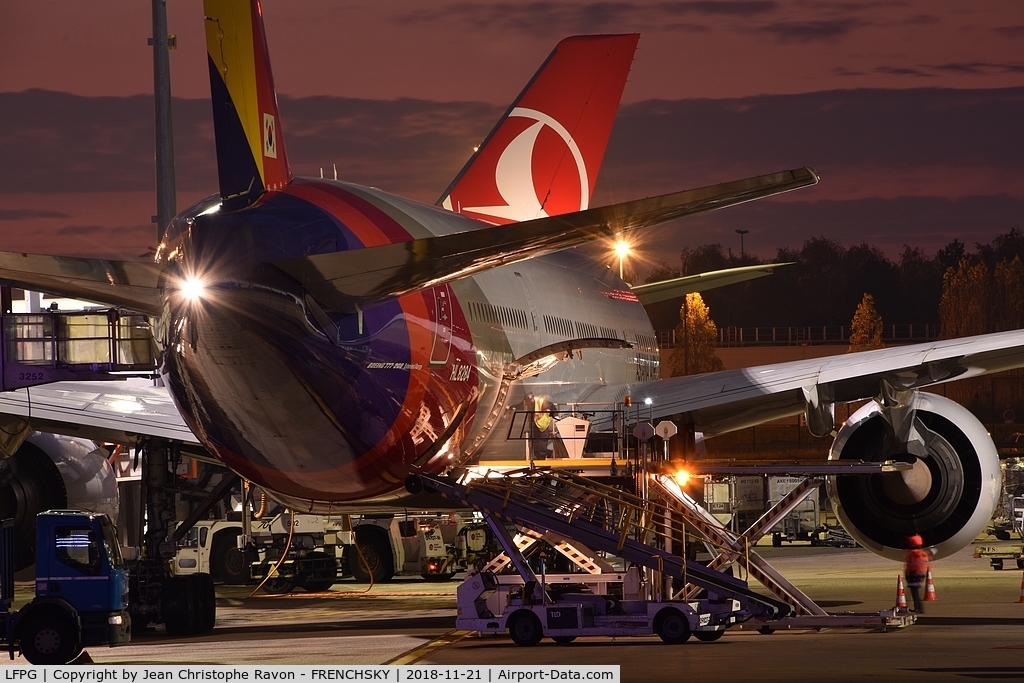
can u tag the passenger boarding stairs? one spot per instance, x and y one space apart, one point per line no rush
601 517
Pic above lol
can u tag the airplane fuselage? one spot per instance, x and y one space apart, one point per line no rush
330 406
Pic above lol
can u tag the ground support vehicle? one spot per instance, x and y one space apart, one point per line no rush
605 519
801 523
998 554
833 536
312 552
81 595
323 549
434 546
565 612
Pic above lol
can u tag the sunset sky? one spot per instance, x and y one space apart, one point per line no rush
912 112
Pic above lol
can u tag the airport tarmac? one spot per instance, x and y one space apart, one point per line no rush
975 630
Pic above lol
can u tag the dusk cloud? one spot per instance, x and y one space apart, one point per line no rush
589 17
808 31
920 153
22 214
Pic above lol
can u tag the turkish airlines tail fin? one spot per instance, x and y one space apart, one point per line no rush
543 156
250 150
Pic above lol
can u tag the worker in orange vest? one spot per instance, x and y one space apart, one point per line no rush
917 566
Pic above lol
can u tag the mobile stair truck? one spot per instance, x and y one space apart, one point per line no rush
81 595
602 518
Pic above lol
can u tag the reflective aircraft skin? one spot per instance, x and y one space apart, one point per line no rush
323 397
324 339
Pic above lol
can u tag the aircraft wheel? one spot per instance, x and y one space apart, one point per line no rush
205 606
177 605
672 626
525 628
708 636
49 637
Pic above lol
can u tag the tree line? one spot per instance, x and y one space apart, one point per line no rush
964 292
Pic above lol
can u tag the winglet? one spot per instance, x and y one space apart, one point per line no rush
543 156
251 157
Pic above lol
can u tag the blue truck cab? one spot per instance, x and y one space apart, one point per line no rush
81 596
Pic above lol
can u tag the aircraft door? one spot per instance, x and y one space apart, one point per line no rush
441 349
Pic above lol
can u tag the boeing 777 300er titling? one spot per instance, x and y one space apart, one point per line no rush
325 340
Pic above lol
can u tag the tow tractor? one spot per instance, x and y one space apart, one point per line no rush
81 595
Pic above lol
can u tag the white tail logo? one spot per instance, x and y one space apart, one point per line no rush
513 174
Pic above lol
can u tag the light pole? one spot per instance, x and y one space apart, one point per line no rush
741 233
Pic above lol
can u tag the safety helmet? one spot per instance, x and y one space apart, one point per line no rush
915 541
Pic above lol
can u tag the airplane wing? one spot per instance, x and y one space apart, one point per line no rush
654 292
720 402
115 412
131 284
352 278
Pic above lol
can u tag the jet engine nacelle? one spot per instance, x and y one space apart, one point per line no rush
949 495
49 472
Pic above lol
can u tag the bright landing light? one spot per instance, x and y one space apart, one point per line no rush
193 288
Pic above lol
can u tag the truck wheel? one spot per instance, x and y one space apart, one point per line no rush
277 584
177 606
227 562
776 540
672 626
320 580
1020 563
50 637
997 564
525 628
708 636
205 606
372 560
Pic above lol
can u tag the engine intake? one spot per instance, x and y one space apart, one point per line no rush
947 497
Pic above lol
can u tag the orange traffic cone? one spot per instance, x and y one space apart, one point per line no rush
929 588
1021 598
901 597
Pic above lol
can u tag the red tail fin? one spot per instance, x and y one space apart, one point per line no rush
543 157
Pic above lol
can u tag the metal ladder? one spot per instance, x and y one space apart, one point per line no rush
601 517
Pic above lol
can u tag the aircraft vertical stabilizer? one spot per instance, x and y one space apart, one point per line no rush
251 157
543 156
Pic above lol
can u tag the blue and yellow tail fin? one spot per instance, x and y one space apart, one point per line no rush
251 157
